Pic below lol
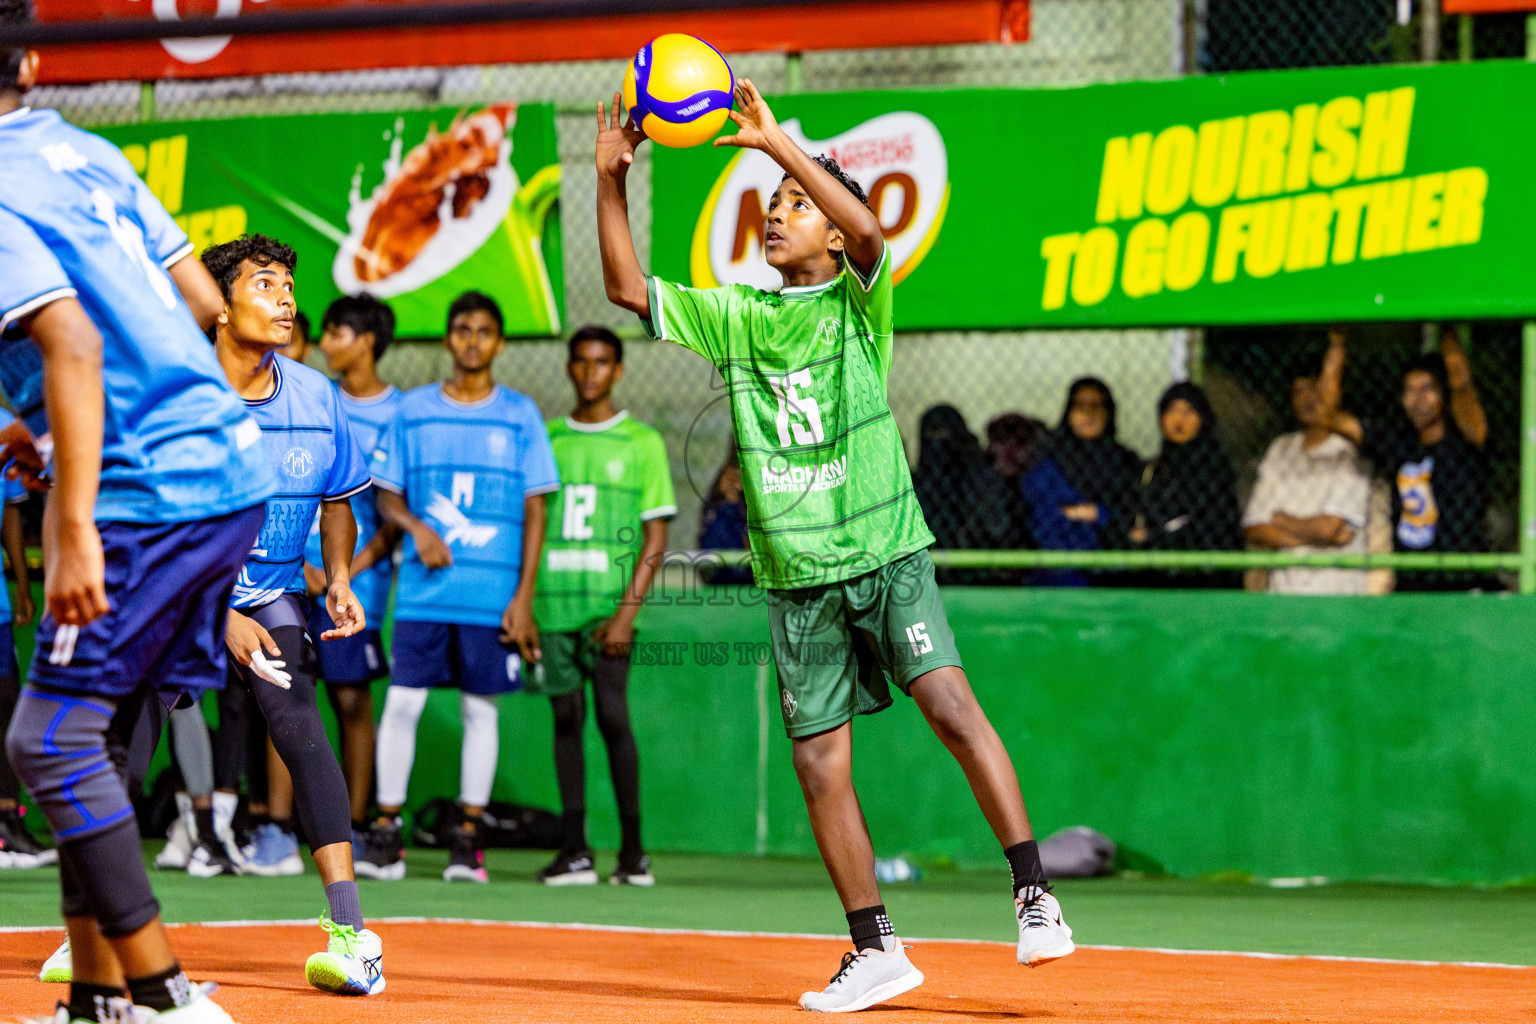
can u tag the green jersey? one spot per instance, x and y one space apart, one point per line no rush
829 495
613 476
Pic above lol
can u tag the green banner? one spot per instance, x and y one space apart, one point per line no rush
1385 193
414 207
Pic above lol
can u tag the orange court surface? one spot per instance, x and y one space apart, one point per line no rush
489 973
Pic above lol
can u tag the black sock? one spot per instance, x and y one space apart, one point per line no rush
203 818
1024 862
869 927
573 829
629 836
164 991
88 1002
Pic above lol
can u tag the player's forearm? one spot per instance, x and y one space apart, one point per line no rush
623 279
338 539
198 287
393 509
15 545
535 519
1268 535
862 239
379 547
73 396
653 546
1322 530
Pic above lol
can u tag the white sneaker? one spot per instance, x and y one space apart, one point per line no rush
352 964
116 1011
59 969
865 978
178 838
1043 933
201 1010
224 807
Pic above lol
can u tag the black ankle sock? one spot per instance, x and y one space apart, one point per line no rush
573 830
164 991
869 927
629 834
203 818
87 1001
1024 862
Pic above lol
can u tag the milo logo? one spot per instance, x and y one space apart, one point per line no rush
898 159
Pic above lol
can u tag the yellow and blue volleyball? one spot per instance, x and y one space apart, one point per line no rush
678 89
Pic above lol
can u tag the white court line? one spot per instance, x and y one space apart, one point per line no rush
721 934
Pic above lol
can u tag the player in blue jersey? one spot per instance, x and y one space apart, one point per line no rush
319 468
19 849
159 481
354 334
463 471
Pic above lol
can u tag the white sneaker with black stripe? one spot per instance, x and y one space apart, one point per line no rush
1043 933
866 977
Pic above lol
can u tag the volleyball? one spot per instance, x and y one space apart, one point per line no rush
678 89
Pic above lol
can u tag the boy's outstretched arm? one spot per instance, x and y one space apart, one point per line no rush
622 277
757 128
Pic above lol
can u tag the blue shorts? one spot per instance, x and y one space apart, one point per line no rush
355 660
9 669
469 658
168 586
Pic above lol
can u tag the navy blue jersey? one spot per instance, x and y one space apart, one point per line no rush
76 222
308 441
369 417
464 470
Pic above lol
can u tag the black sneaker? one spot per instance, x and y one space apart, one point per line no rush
18 847
383 853
466 861
633 871
570 869
209 859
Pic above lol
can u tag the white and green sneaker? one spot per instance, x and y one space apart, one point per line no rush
59 969
352 964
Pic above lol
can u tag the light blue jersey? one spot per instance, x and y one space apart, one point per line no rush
370 417
11 493
308 441
76 222
464 471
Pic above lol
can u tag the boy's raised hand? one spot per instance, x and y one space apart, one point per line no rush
616 140
755 124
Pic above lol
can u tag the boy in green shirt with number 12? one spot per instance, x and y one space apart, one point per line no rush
838 538
606 534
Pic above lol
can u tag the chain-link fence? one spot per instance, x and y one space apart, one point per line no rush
1057 484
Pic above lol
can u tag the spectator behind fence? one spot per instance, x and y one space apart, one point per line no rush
1436 463
1082 496
1188 492
1014 443
723 522
1311 496
965 501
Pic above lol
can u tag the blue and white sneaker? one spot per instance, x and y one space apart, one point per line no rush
273 853
352 964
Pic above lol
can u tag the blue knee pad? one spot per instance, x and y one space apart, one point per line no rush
57 744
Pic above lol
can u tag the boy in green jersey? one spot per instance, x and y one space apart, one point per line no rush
607 531
838 539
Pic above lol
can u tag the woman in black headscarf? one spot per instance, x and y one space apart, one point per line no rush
1101 475
965 501
1188 493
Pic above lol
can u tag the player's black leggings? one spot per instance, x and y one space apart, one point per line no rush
293 720
10 690
240 744
610 684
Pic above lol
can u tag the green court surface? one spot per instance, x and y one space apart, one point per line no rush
746 894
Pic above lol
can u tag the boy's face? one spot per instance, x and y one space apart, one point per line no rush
796 233
259 310
594 371
344 348
474 340
1304 401
1422 401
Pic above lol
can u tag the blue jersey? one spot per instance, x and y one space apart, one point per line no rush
76 222
464 471
308 441
11 493
370 417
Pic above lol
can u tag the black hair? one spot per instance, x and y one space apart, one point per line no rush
476 302
223 261
1432 363
833 168
364 314
591 332
13 13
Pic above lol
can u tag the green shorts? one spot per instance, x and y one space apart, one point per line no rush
569 662
839 646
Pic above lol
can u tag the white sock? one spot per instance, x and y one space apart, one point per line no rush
397 742
477 769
